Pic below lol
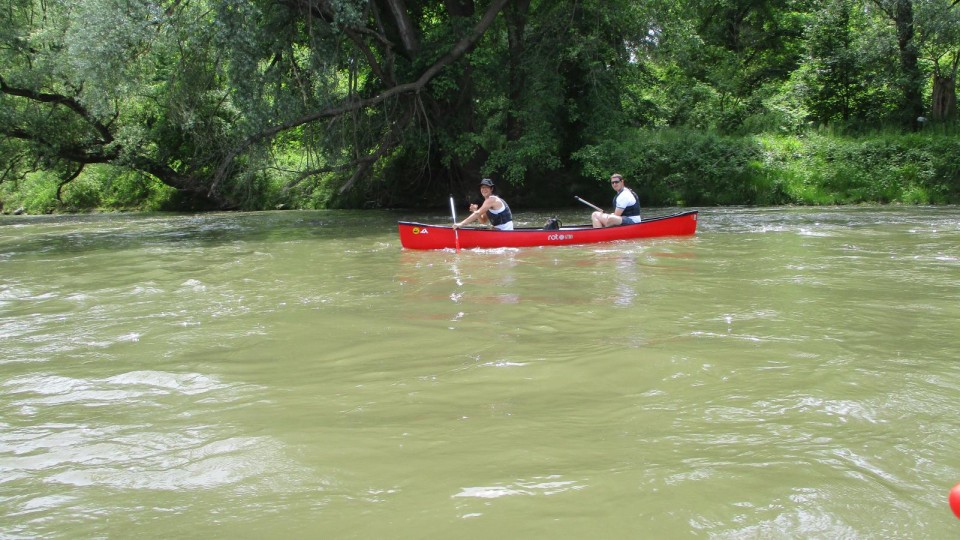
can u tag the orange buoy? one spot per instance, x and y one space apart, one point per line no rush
955 500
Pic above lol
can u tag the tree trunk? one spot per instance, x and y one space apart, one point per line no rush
405 28
944 106
944 103
912 105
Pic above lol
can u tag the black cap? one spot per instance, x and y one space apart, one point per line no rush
486 182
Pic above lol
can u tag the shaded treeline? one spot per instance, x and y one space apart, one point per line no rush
249 104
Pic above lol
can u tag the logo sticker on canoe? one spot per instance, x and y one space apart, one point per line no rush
418 230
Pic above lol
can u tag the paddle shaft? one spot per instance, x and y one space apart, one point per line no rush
456 232
591 205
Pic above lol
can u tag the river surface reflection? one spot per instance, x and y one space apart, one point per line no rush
786 373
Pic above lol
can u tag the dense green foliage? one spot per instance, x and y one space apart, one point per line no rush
256 104
701 169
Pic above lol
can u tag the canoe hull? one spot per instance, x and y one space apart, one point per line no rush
421 236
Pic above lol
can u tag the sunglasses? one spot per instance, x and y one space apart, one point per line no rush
615 182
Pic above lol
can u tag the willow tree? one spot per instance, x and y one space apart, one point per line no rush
198 93
348 102
132 84
432 95
359 82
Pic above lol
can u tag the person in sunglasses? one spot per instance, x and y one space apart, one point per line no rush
626 206
494 210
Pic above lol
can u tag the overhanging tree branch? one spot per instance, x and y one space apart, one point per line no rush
361 164
70 152
66 181
58 99
456 52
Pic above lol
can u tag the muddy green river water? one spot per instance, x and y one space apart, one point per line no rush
786 373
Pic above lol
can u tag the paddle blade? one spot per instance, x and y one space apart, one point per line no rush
456 233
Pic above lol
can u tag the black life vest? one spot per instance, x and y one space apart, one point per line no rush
503 217
633 209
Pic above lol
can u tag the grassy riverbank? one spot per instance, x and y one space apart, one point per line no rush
911 169
701 169
666 167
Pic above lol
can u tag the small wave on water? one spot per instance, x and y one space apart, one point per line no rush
106 432
549 485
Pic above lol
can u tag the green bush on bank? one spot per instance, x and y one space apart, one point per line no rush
667 167
907 169
98 187
689 168
35 194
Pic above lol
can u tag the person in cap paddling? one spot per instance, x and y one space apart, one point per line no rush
494 210
626 206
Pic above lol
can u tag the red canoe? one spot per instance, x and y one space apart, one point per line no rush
420 236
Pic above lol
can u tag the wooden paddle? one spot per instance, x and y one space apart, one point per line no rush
591 205
456 232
